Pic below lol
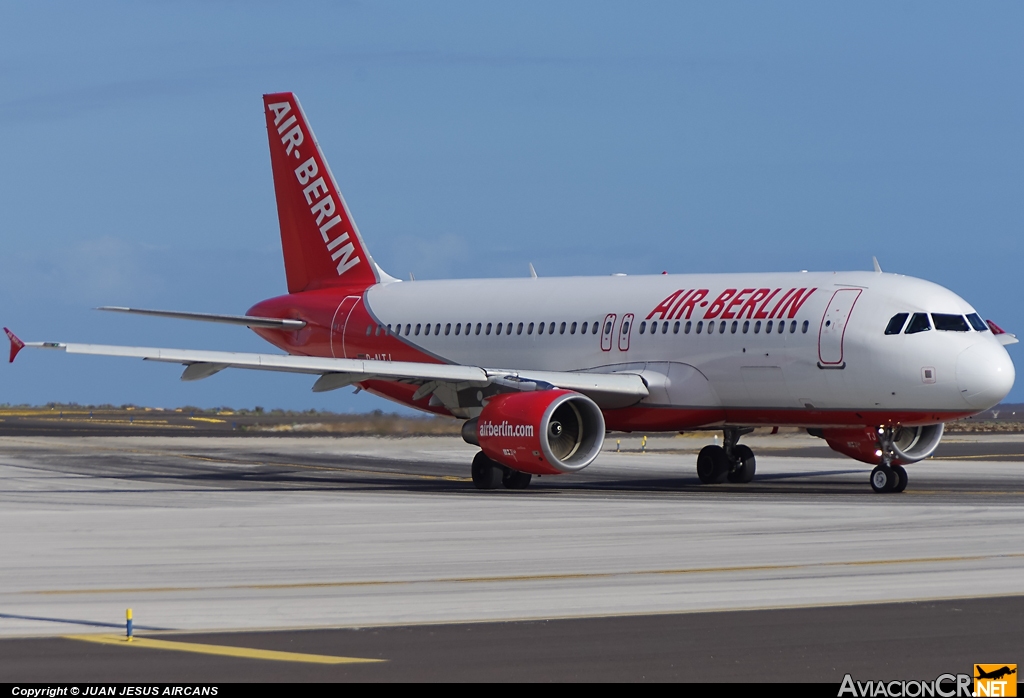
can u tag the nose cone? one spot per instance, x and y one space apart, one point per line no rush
984 374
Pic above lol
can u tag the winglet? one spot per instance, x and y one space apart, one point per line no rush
996 329
16 344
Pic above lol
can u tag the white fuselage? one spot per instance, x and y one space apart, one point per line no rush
825 350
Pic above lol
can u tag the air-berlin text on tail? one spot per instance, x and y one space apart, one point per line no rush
315 188
732 303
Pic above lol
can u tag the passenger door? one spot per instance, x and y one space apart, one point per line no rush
338 324
833 327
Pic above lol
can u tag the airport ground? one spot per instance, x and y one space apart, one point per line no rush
357 548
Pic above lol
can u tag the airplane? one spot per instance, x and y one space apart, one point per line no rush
996 674
540 369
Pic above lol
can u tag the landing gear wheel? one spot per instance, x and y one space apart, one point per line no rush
515 480
487 474
712 465
883 479
745 465
901 478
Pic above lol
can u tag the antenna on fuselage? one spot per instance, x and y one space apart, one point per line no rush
878 268
533 272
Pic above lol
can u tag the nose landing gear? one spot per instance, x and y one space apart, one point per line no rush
732 462
887 477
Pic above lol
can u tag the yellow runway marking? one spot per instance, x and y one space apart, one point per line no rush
221 650
538 577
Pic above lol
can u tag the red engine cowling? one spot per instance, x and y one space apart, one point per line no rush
547 432
911 444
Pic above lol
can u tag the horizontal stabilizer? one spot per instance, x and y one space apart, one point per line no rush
246 320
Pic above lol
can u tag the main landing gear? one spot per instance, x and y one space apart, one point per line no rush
733 461
887 477
488 475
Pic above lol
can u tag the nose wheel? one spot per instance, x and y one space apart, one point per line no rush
887 477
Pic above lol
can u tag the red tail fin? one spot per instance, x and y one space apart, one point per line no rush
322 246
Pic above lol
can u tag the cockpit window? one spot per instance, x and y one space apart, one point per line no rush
918 323
895 325
950 323
977 323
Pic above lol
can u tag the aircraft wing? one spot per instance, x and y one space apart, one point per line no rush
443 379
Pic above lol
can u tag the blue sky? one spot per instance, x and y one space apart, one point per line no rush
471 139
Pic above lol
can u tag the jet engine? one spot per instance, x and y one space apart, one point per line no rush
910 444
546 432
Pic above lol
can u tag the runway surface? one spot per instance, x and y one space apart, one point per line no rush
209 534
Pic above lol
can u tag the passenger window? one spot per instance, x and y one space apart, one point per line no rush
711 327
608 327
757 327
426 330
664 327
977 323
700 326
519 329
643 327
497 330
950 323
806 325
686 330
918 323
508 328
408 329
735 326
418 328
529 330
551 328
458 328
478 326
540 328
487 330
895 325
437 328
782 326
675 328
792 327
746 326
572 328
447 329
625 328
561 328
768 327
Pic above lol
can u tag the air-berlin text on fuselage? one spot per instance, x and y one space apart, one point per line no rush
732 303
505 429
321 202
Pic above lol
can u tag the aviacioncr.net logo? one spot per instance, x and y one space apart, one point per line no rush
943 686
